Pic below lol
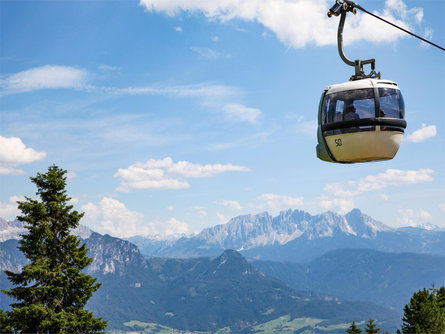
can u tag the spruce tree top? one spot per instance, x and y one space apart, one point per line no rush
353 329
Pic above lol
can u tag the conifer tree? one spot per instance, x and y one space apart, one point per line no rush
425 312
52 291
371 327
353 329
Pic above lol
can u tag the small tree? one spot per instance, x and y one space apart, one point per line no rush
353 329
52 290
425 312
371 327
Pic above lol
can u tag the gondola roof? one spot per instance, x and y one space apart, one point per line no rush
361 84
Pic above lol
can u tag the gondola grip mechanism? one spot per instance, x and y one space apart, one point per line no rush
341 8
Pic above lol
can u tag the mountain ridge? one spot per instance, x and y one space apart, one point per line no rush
296 236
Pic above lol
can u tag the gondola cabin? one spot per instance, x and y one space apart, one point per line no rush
360 121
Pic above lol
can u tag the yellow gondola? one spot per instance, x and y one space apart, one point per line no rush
361 120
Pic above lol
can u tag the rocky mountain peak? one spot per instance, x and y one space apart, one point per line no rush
112 255
364 225
231 264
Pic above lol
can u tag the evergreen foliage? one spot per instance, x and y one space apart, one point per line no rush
425 312
51 291
353 329
371 327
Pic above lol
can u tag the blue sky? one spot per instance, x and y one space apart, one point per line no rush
172 116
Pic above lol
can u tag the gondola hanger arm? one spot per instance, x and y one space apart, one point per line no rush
341 8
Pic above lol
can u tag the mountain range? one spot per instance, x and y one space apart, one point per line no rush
232 290
296 236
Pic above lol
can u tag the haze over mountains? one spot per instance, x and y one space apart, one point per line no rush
339 269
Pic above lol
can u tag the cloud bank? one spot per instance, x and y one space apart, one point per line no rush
394 177
300 22
112 217
166 174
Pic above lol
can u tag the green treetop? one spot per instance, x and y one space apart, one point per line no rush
371 327
52 291
425 312
353 329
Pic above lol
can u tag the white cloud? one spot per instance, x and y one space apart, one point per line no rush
9 210
308 128
14 153
384 197
428 34
221 218
173 226
425 132
425 215
239 113
206 53
337 189
276 202
209 95
56 77
164 228
410 217
442 207
112 217
312 25
74 200
203 90
166 174
201 210
44 77
230 204
340 205
170 208
178 29
71 175
108 68
394 177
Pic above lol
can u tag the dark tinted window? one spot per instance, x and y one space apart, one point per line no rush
349 105
391 103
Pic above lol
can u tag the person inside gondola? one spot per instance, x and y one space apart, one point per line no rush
350 113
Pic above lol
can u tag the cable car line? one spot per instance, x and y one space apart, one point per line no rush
394 25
